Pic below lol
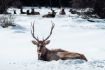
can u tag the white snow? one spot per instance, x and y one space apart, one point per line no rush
71 33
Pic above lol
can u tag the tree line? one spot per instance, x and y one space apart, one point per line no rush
97 5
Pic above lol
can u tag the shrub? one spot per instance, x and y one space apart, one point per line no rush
7 20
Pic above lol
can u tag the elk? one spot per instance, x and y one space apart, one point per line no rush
62 12
50 14
33 12
48 55
21 11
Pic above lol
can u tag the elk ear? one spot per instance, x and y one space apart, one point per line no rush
47 42
34 42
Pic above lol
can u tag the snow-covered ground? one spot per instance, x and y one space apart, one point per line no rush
71 33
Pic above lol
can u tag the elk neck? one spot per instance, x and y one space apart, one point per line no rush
45 56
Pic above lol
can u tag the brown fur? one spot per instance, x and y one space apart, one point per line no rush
62 54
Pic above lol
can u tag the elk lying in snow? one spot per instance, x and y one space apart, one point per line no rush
33 12
50 14
62 12
47 55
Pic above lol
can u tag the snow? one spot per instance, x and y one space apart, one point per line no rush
71 33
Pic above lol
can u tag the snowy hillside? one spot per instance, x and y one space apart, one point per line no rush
71 33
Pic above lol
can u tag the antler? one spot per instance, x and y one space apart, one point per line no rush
50 32
32 32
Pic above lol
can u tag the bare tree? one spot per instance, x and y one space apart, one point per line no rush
99 8
3 6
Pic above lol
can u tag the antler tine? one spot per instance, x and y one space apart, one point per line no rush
32 32
50 31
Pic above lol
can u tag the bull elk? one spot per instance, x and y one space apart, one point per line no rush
47 55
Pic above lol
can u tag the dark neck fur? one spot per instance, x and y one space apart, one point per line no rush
44 57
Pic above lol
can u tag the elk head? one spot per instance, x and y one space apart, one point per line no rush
41 49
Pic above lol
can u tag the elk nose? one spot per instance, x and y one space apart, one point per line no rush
39 50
